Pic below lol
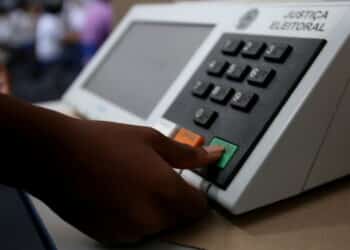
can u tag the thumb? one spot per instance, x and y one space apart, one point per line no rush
182 156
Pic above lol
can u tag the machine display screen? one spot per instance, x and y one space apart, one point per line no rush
144 63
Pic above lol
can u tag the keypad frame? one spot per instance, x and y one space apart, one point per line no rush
241 128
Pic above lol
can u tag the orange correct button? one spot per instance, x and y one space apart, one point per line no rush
188 137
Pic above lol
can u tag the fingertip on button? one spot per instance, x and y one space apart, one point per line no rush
215 149
214 152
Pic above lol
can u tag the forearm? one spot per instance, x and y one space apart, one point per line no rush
32 140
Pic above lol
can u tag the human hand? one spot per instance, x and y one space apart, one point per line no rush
4 81
116 183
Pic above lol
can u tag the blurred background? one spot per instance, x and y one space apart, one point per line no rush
44 44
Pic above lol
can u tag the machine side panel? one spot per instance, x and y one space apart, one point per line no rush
334 158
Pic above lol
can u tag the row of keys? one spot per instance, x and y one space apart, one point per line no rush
254 49
258 76
242 100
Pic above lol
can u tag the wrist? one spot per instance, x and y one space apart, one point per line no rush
54 155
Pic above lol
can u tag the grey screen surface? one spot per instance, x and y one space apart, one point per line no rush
143 64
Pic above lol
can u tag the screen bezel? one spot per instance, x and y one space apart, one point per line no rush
92 106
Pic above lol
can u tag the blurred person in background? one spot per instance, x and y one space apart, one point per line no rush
50 34
23 20
23 24
74 17
5 28
98 25
74 11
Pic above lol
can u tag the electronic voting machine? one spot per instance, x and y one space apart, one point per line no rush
269 82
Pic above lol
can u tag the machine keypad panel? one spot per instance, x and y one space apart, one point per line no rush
237 92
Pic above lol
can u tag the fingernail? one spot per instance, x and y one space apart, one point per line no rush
214 149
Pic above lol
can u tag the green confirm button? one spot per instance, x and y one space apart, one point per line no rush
230 151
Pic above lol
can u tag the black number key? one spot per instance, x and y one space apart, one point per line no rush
277 52
232 47
202 89
244 100
261 76
237 72
217 68
253 49
205 117
221 94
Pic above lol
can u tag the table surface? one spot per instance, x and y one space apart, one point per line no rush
319 219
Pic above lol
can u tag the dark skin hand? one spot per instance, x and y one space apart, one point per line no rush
5 87
113 182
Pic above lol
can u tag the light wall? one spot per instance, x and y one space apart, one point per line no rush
122 6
